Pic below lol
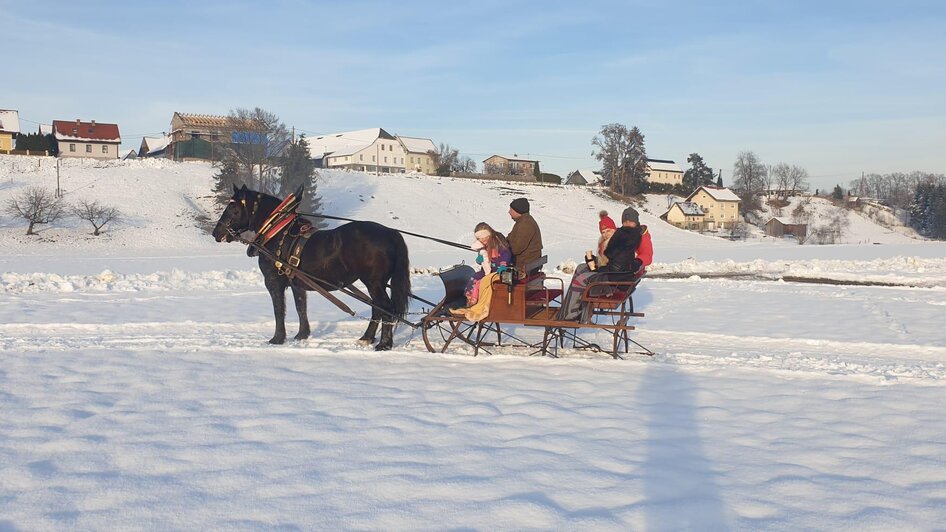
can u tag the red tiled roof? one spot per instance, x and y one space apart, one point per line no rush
88 131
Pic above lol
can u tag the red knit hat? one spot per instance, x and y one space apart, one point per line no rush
606 223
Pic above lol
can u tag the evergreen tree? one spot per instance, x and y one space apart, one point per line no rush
35 142
698 174
719 180
838 193
228 176
635 174
298 169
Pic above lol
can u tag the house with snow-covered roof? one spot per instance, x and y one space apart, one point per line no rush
685 215
373 150
720 206
664 171
154 146
778 226
9 128
94 140
582 177
417 154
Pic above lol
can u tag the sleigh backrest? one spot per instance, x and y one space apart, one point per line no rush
454 281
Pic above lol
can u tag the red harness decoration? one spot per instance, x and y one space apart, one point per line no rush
277 227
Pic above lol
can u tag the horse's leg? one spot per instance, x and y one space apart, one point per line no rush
299 296
276 284
369 336
379 296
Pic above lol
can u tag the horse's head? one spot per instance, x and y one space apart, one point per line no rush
236 218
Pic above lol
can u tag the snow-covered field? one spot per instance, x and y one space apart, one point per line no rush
137 390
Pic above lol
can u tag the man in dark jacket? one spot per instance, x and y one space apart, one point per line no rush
627 258
525 239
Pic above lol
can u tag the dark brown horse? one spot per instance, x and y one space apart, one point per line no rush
358 251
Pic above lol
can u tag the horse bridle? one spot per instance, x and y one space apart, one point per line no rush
233 232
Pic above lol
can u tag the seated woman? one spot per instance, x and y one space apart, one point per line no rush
628 252
607 228
494 255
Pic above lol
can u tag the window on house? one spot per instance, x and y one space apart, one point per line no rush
104 149
382 147
88 148
361 157
385 159
412 160
372 158
72 147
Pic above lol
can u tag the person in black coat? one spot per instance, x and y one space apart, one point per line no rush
622 265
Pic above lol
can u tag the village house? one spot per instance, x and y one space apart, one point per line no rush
664 171
87 139
583 177
198 137
417 154
685 215
9 129
504 165
373 150
779 227
720 206
154 146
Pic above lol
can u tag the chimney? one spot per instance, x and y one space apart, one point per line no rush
93 123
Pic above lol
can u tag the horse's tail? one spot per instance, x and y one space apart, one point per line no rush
400 277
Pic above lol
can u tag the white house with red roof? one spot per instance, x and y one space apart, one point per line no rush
94 140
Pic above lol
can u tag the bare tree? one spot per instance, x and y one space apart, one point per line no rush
789 179
259 140
445 159
36 205
623 157
96 214
748 180
611 145
465 165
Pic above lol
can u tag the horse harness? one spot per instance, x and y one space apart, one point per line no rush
290 247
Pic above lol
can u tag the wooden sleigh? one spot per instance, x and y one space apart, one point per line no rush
532 302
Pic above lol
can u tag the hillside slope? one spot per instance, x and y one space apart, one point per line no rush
161 200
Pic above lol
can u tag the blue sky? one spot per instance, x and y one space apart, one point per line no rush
839 88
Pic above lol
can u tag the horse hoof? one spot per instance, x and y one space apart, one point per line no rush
301 336
382 347
366 341
277 341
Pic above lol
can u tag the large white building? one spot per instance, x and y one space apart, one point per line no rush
373 150
664 171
